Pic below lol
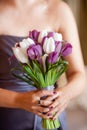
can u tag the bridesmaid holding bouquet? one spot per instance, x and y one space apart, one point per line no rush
19 103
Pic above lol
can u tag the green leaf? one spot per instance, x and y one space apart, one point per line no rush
55 65
36 67
40 67
62 69
21 77
28 78
53 75
29 71
41 80
48 78
38 73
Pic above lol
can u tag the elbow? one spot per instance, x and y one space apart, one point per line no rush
82 80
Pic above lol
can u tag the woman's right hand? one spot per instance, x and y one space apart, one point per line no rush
30 101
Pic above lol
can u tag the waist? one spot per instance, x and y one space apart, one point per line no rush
16 85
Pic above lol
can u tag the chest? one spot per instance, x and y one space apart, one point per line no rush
20 23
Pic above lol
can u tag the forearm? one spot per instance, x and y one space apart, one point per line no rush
76 84
8 98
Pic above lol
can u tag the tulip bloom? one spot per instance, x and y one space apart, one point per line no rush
49 45
34 52
34 34
26 43
50 34
58 47
53 57
42 34
57 36
20 54
66 49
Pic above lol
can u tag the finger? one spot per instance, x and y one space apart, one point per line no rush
59 100
45 102
54 96
58 113
56 109
53 111
43 115
42 109
43 93
61 109
55 103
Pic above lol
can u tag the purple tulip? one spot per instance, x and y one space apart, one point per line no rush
58 47
34 34
34 52
53 57
50 34
66 49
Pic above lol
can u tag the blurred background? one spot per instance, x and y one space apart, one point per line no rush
77 109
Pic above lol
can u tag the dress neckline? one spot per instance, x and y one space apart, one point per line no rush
12 36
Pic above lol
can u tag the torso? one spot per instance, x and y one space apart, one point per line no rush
18 23
40 16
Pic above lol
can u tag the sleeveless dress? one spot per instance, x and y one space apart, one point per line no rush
17 119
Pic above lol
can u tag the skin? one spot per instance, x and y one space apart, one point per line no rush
52 15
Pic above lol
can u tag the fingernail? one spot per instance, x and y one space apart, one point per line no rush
54 92
49 114
51 107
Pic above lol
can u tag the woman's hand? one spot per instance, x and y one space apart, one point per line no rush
60 100
30 101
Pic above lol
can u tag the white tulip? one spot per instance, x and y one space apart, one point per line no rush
20 54
57 36
26 43
49 45
41 35
44 61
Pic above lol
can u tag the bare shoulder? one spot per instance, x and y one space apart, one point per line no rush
64 15
60 6
62 9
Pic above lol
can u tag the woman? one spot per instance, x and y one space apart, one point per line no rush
19 102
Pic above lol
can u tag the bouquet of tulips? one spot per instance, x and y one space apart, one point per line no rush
41 57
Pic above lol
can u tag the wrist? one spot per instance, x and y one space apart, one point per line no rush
65 90
15 100
8 98
18 100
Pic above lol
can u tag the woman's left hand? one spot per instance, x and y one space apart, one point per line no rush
60 102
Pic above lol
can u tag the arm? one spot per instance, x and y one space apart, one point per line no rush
8 98
28 101
76 72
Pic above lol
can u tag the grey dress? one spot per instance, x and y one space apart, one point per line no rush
16 119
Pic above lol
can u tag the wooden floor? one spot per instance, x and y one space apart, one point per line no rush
77 119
